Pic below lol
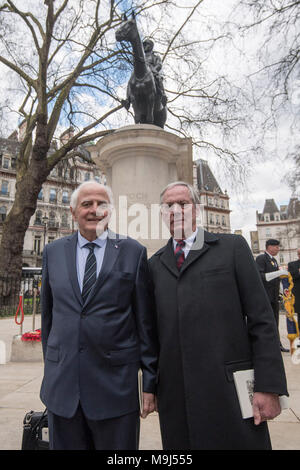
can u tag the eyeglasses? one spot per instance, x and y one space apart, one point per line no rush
101 206
172 206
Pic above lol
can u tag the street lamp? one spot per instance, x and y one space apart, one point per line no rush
45 220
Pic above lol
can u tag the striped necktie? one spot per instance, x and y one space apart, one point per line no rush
90 272
179 254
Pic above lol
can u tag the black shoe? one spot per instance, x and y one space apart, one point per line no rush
282 349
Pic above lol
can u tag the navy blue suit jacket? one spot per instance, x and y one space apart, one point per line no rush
93 350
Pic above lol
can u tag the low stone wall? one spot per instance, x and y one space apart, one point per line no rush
25 351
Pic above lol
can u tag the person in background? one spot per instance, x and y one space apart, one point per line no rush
270 274
294 269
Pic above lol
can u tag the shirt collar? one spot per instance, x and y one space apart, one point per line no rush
188 241
100 241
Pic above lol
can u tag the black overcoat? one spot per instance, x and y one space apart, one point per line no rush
293 268
214 317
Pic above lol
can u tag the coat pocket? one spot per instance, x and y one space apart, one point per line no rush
233 366
124 356
52 354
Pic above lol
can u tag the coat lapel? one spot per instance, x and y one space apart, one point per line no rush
168 258
200 246
70 249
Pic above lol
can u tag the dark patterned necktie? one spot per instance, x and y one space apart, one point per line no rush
274 262
90 272
179 253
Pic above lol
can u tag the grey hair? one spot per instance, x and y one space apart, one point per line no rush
193 193
74 196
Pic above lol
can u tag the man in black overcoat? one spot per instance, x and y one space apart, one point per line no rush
214 318
270 274
294 269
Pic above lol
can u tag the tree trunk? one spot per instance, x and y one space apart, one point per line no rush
28 187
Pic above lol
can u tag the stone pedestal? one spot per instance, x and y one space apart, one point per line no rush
139 161
26 351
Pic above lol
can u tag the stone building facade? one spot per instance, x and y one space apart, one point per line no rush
281 223
52 218
215 202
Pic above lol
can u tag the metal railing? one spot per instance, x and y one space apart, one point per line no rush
27 288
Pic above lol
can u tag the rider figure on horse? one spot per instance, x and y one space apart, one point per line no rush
155 63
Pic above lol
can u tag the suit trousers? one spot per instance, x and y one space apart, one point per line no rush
81 433
275 308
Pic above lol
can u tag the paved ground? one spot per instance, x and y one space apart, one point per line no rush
20 384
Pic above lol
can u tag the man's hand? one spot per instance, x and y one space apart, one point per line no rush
149 404
265 406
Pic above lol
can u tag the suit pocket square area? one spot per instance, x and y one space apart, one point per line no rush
52 354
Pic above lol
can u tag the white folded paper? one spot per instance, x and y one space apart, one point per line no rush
244 383
140 389
275 274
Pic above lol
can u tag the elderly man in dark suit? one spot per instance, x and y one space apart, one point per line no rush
270 274
294 269
97 331
214 318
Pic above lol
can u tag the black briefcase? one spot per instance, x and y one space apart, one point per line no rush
35 431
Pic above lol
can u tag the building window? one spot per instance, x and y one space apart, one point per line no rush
211 218
38 218
52 196
64 220
2 213
87 176
217 220
37 245
223 220
6 163
281 258
13 163
4 188
65 197
40 195
51 222
268 232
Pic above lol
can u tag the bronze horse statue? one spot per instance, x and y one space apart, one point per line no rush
142 90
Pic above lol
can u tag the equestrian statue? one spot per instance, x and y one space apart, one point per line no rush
145 91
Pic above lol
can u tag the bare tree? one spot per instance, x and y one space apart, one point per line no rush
273 26
66 70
